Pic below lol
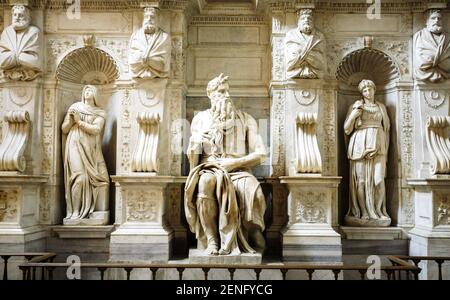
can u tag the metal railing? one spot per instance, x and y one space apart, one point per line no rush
30 257
393 272
439 260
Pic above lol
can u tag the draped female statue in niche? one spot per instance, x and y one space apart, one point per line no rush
85 175
367 125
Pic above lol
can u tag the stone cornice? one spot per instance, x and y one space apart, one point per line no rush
387 6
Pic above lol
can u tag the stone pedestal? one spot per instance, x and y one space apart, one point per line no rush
431 233
19 213
312 209
143 233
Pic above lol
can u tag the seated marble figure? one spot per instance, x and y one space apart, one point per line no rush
224 202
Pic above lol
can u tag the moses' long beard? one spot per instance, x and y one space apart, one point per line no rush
224 118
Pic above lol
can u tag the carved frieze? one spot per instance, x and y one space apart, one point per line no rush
407 131
9 205
141 206
443 209
310 208
278 132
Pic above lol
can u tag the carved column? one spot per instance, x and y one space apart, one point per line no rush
304 152
21 177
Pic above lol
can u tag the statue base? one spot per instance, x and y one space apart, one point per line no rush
197 256
431 233
358 222
96 218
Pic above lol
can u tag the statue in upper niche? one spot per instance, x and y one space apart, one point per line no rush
224 202
432 51
305 49
20 47
150 48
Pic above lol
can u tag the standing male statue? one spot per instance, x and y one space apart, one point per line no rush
20 47
305 49
150 48
224 203
432 51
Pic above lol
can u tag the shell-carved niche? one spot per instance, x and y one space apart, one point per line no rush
367 63
88 65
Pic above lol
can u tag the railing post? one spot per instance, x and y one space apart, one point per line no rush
439 262
128 270
310 273
257 273
362 273
336 273
102 272
231 270
5 269
284 273
205 271
154 270
180 273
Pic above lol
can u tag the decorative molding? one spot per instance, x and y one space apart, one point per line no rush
278 133
56 48
44 206
178 60
438 142
310 208
305 97
145 157
176 129
329 143
20 95
48 135
407 139
13 147
337 50
443 210
2 111
125 158
307 153
9 205
228 20
88 65
398 51
435 99
407 209
117 48
277 58
367 63
141 206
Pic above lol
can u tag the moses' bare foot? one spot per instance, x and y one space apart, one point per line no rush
212 250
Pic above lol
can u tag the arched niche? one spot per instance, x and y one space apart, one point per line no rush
375 65
90 65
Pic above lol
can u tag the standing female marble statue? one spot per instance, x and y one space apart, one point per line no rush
367 124
85 175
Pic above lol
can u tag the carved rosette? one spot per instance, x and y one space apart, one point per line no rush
141 206
9 205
